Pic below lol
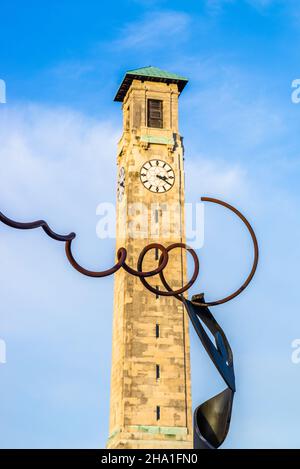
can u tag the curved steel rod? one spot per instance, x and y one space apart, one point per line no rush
170 292
163 261
255 249
122 254
36 224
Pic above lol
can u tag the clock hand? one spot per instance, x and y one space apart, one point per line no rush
163 178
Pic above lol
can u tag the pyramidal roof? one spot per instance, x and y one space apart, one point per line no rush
150 74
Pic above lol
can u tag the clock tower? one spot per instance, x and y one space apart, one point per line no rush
150 379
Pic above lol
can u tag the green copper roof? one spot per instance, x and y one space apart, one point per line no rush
149 74
155 72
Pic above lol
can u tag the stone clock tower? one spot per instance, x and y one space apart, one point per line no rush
150 380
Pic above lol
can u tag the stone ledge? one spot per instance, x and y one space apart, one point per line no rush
153 429
148 436
157 140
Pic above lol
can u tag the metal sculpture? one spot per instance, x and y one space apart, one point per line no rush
212 418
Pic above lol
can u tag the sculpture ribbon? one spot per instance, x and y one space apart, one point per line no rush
212 418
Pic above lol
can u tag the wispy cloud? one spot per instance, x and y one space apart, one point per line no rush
217 5
218 178
52 161
229 105
154 29
58 148
262 3
75 68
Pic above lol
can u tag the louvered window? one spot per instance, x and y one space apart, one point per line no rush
155 113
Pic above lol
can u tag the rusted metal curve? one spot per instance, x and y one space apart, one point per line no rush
177 293
170 292
121 255
163 261
255 249
36 224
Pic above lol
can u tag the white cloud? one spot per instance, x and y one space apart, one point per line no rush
232 105
49 155
261 3
216 5
154 29
74 68
215 178
56 164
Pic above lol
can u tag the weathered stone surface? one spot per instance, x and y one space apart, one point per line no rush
135 389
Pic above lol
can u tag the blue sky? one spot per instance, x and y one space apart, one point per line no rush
58 134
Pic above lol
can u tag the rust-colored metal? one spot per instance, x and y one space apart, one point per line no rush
163 260
169 291
177 293
36 224
255 249
121 255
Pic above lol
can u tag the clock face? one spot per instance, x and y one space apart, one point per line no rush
157 176
121 184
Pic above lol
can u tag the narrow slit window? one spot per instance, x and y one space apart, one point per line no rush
156 254
127 124
157 331
157 295
157 371
156 216
157 412
155 113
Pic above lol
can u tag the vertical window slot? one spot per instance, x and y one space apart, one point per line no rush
155 113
